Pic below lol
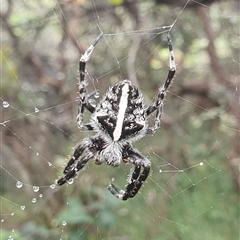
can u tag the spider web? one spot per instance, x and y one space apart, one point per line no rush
192 192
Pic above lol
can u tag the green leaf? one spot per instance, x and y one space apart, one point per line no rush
116 2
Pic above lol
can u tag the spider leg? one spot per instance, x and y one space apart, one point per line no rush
158 104
136 179
72 173
121 194
74 164
84 97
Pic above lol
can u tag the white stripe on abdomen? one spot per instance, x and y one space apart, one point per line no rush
121 112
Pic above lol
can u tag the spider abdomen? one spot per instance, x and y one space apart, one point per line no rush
121 113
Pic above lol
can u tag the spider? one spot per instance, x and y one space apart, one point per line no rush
119 119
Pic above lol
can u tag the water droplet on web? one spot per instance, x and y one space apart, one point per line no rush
201 163
113 179
49 164
54 222
70 181
52 186
36 110
2 220
5 104
64 223
160 170
97 94
19 184
23 207
12 214
40 195
35 188
34 200
37 153
10 237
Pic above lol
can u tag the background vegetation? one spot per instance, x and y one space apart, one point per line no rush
41 42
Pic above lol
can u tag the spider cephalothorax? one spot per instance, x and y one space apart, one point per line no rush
119 119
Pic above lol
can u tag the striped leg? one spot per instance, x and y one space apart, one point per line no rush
158 104
84 101
136 179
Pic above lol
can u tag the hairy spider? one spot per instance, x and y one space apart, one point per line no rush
119 119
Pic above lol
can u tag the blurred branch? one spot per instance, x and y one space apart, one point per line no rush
211 49
224 81
132 8
191 4
31 57
37 65
4 19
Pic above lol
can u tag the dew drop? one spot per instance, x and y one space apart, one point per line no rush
54 222
36 110
113 179
37 153
201 163
12 214
70 181
5 104
19 184
160 170
97 94
34 200
49 164
2 220
40 195
10 237
35 188
52 186
23 207
64 223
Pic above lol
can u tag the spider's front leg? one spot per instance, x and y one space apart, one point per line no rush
158 104
84 97
75 164
137 177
